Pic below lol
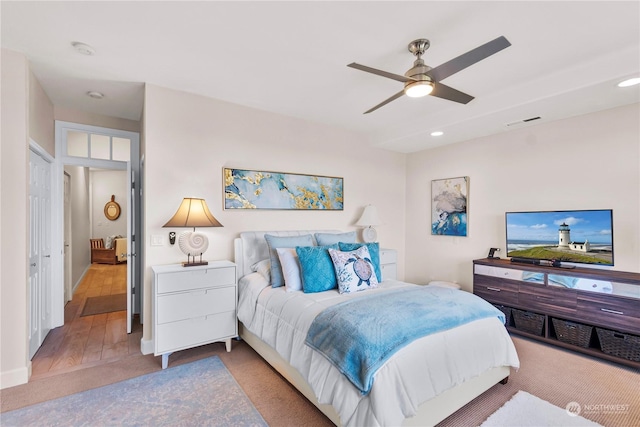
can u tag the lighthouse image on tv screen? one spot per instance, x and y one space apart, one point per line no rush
583 236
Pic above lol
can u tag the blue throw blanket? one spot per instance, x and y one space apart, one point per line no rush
359 335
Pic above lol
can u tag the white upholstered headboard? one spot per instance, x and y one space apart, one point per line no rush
251 246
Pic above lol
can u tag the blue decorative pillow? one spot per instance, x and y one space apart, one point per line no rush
354 270
374 251
324 239
317 269
275 242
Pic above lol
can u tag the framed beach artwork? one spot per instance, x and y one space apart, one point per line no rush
250 189
449 206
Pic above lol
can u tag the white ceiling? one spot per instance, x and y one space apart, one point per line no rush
290 58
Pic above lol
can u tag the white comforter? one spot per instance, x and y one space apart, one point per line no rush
415 374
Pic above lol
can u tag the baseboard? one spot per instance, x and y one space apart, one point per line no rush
146 346
15 377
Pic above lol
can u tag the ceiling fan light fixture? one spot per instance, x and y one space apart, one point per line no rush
418 89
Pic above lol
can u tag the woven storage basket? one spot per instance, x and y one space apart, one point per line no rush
528 322
572 332
507 313
619 344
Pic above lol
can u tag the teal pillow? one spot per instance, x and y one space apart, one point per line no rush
324 239
275 242
374 251
316 268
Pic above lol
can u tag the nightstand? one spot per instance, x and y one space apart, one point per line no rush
389 264
193 306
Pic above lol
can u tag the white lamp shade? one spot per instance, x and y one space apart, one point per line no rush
369 217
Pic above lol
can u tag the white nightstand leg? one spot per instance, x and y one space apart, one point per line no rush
165 360
227 344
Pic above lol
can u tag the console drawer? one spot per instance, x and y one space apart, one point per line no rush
610 311
548 300
503 273
495 290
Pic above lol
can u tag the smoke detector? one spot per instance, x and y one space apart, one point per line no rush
95 94
83 48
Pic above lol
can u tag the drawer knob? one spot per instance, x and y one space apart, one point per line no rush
489 288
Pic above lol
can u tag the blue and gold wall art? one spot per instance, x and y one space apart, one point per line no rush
449 206
248 189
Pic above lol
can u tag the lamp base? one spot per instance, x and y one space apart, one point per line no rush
194 263
369 235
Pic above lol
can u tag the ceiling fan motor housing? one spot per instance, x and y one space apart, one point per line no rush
418 47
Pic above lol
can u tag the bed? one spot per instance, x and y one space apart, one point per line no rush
420 384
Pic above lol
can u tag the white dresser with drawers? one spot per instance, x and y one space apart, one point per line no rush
389 264
193 306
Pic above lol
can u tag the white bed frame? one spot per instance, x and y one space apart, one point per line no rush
251 247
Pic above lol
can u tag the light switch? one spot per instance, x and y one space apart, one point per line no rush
157 240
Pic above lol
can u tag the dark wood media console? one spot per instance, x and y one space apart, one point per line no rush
593 311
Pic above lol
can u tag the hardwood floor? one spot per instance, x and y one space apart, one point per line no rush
90 340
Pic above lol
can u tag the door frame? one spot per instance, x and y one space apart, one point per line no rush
61 160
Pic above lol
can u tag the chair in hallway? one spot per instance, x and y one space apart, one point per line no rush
100 254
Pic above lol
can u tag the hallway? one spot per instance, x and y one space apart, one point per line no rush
90 340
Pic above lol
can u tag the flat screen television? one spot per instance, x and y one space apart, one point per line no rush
576 237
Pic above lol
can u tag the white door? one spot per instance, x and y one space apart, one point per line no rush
40 274
67 255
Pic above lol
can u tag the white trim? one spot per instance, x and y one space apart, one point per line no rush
15 377
61 159
147 346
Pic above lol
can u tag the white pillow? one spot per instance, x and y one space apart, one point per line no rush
264 268
290 269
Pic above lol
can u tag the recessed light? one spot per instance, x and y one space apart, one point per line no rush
629 82
96 95
83 48
437 133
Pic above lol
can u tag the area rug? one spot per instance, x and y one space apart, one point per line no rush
201 393
527 410
104 304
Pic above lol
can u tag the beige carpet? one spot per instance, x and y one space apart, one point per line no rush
560 377
609 394
104 304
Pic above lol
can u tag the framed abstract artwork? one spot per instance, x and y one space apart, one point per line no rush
249 189
449 206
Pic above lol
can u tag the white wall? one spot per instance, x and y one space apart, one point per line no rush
104 184
190 138
14 172
585 162
80 220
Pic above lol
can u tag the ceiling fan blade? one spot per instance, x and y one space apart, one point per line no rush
385 102
467 59
397 77
446 92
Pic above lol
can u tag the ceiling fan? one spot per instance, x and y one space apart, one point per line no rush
422 80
